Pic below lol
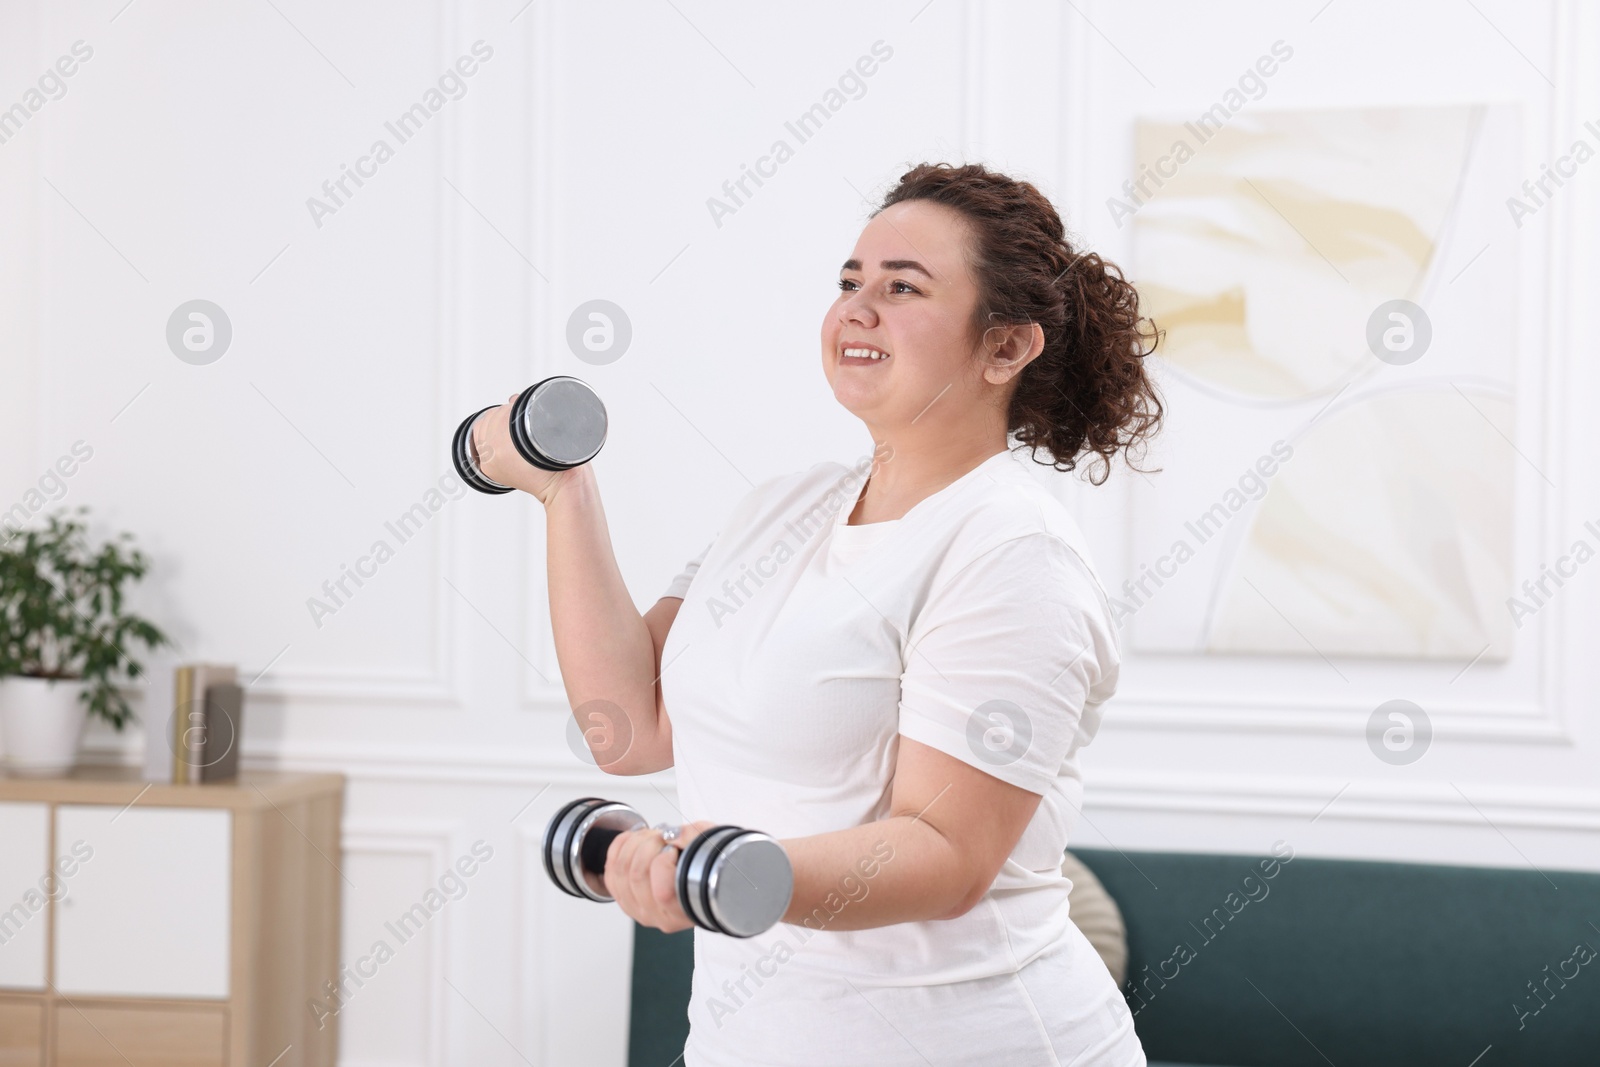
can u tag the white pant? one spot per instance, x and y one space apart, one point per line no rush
1061 1010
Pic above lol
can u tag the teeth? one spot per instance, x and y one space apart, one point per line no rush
864 353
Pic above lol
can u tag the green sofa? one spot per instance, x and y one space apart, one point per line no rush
1343 962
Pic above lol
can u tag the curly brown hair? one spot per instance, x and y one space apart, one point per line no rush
1087 393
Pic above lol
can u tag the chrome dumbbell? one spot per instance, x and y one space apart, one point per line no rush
730 880
556 424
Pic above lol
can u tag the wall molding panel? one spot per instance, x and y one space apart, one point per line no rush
430 841
1540 721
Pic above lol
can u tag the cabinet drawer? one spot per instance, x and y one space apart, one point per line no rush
147 914
98 1036
21 1033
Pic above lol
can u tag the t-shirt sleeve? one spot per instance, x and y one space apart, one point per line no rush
680 585
1008 661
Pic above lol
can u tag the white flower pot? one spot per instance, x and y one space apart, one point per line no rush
41 720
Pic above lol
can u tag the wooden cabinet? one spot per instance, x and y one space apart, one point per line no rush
168 926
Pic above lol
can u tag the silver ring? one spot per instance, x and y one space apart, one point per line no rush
669 833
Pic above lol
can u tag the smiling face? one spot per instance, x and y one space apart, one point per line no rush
906 296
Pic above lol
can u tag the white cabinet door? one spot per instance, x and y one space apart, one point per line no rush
146 912
25 889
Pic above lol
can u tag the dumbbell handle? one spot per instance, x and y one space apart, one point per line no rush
596 843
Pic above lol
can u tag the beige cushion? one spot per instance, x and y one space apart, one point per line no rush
1097 915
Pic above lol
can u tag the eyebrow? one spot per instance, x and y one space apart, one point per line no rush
890 264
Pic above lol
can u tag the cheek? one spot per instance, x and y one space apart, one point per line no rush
941 350
920 353
830 323
829 341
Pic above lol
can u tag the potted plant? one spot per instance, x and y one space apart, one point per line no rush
64 638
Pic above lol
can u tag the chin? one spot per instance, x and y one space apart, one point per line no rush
857 404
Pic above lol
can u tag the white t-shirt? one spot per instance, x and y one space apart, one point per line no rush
804 648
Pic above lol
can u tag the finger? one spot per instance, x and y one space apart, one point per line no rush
483 427
653 853
689 831
646 848
617 871
633 867
664 879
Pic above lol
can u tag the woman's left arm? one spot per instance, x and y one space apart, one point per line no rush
949 830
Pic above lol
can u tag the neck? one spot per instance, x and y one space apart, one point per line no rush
915 466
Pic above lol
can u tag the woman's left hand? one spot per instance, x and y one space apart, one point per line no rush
642 874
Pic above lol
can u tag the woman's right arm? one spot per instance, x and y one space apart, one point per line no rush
610 655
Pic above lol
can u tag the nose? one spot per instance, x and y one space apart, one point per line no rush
857 307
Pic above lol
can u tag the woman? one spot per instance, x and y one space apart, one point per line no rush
893 678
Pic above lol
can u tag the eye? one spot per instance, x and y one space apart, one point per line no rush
846 283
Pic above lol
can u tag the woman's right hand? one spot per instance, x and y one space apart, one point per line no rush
500 461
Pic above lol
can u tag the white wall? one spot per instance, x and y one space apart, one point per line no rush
577 166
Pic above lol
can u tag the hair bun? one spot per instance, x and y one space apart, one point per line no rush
1088 392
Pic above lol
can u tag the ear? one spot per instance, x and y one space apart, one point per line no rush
1014 348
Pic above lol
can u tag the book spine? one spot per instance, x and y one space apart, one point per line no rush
183 699
224 709
205 741
194 735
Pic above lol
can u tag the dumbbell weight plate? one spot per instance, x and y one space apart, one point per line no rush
558 839
576 840
462 453
558 423
734 881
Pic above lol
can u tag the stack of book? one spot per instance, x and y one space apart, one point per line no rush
193 723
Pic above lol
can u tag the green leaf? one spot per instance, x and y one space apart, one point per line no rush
62 610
